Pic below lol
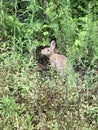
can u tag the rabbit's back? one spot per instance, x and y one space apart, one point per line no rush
60 63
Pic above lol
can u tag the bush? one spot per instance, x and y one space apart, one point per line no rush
30 99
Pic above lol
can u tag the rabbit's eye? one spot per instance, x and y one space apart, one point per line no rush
47 49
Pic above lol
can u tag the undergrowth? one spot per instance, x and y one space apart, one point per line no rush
28 100
41 100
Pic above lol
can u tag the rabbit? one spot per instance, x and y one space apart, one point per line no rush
59 62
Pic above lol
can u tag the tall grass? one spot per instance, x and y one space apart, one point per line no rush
31 100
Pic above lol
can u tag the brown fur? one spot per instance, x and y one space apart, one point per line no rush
57 61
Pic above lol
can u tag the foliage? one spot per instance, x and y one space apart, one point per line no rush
30 100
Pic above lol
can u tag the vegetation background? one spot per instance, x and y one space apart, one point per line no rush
30 100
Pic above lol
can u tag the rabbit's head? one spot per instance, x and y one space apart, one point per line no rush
50 50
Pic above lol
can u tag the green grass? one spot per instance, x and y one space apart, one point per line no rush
30 100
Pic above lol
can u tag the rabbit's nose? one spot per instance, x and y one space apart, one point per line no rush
42 51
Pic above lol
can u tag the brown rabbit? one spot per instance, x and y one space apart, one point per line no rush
57 61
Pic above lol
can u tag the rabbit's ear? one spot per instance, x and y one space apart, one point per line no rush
53 44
